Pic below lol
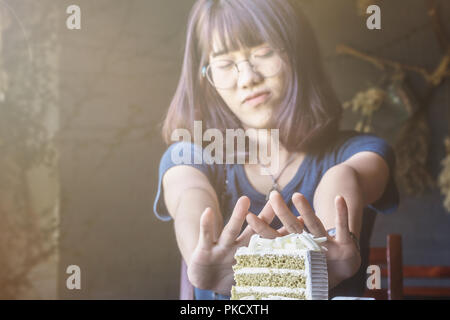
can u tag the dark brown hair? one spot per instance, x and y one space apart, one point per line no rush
311 111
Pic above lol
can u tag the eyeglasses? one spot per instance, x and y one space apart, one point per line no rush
224 73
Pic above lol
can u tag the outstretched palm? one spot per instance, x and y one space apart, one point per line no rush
343 256
210 265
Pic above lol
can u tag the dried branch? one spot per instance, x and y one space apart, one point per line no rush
442 71
438 27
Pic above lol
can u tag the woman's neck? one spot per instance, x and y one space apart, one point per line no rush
271 152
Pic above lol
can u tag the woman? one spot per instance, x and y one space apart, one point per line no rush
255 65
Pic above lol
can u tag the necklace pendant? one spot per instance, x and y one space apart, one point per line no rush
274 188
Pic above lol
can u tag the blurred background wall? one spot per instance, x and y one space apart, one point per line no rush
29 120
118 74
116 77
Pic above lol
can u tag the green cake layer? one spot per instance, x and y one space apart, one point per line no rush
269 261
270 280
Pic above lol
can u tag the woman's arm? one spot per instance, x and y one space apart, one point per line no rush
361 180
207 246
187 193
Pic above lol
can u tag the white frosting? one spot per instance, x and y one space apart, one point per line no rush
270 270
284 245
301 253
317 276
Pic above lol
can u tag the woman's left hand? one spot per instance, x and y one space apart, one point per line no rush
343 257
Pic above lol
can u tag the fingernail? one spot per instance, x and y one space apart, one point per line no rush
273 192
297 194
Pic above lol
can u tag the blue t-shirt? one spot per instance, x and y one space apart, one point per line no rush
305 181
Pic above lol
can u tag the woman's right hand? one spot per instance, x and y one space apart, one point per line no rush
210 265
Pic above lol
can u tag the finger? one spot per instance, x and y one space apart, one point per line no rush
342 229
284 214
246 234
283 231
267 214
205 240
234 225
310 219
261 227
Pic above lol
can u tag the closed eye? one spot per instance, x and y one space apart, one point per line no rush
223 64
264 53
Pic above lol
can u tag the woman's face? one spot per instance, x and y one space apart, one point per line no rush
253 93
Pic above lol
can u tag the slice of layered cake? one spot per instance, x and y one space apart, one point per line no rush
289 267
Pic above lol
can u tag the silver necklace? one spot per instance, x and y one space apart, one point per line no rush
275 185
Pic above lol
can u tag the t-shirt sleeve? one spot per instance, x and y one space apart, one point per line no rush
180 153
389 201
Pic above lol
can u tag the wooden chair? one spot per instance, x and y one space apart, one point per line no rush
428 272
390 261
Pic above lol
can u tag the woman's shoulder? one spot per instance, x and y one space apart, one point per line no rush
183 152
346 143
350 142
